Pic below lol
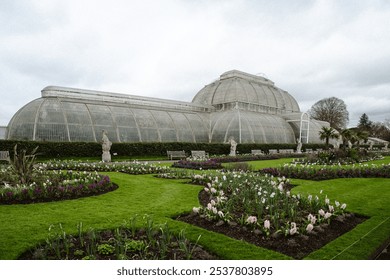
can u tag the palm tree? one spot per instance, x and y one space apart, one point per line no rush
327 133
361 135
348 136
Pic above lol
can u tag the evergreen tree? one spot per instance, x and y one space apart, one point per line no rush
365 124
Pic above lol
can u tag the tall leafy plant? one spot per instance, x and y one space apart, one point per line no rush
22 165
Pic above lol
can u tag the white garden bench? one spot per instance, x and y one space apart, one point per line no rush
199 154
286 151
4 155
257 152
176 154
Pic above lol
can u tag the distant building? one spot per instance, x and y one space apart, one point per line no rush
3 132
246 107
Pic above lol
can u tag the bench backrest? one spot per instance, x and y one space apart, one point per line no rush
257 152
198 154
4 155
176 154
286 151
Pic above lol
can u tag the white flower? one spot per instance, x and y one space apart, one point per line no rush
251 220
312 219
309 227
224 177
196 210
327 200
310 197
272 195
331 208
327 215
212 202
209 206
321 212
215 211
267 224
337 203
343 206
220 214
206 189
212 190
293 229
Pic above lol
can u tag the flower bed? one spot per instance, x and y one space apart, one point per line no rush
250 157
123 243
197 164
339 157
313 172
55 185
263 205
134 167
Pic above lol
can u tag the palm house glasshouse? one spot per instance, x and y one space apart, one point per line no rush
238 105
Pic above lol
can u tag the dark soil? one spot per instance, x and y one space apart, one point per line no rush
149 251
296 247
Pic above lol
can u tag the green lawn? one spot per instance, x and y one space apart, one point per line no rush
365 196
22 226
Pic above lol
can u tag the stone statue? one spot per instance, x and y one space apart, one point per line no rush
299 146
337 144
106 146
233 146
385 148
371 145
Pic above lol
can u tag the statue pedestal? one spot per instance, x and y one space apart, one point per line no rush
106 156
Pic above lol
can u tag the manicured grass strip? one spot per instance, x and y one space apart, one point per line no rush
365 196
260 164
358 244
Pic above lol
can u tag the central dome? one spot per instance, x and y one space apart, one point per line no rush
246 91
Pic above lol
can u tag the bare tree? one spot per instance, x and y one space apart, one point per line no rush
332 110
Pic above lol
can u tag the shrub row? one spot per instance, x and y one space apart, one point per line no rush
308 172
93 149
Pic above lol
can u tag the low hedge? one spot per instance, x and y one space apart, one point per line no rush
93 149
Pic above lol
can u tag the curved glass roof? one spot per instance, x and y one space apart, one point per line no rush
67 118
258 93
240 105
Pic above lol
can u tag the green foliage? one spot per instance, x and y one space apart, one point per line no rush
22 165
92 149
105 249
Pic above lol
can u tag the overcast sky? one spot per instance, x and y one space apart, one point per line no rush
172 48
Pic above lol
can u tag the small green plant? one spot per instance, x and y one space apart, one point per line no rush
22 165
134 245
79 253
105 249
185 246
